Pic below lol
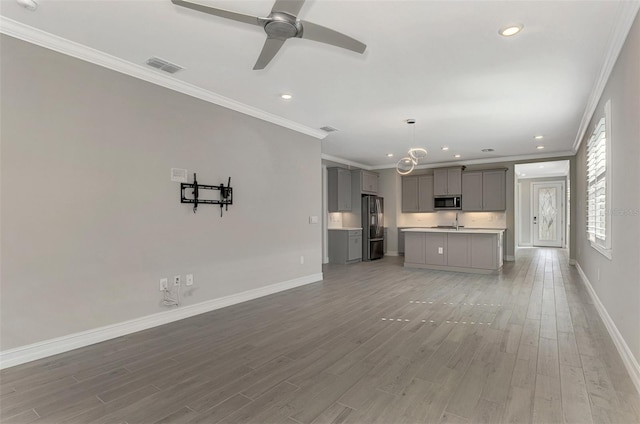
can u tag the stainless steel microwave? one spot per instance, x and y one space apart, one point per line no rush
447 202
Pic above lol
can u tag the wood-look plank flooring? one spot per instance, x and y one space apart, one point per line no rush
372 343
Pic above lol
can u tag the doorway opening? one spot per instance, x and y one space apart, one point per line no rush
542 204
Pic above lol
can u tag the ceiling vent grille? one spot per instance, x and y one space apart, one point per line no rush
163 65
328 129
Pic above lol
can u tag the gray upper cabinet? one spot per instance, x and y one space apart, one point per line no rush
484 190
417 193
425 193
410 194
338 189
369 182
472 191
494 190
447 181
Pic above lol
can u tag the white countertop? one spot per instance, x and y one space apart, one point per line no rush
453 230
345 229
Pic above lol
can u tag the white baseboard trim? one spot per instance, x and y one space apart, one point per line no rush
22 354
630 362
391 253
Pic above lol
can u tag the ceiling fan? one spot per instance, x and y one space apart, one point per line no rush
282 23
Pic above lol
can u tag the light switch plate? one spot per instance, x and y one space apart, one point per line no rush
313 219
189 280
440 251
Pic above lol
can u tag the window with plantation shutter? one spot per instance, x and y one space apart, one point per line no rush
598 186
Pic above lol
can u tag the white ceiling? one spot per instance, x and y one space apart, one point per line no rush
442 63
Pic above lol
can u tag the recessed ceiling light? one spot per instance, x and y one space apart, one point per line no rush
510 30
539 147
445 148
523 175
456 156
540 166
286 96
389 155
539 137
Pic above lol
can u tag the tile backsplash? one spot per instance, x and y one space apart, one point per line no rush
468 219
335 220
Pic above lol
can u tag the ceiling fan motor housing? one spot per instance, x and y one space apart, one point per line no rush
282 25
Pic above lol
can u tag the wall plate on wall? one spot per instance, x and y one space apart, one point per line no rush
179 175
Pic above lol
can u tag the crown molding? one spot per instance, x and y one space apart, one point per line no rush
346 162
627 14
79 51
518 158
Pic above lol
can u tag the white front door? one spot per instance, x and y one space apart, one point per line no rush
548 214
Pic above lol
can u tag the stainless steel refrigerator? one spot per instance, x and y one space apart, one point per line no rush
372 227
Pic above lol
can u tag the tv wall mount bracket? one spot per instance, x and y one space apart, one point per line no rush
226 194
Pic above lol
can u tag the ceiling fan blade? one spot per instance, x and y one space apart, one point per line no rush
269 50
326 35
247 19
292 7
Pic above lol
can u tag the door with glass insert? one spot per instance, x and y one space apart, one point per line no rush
548 214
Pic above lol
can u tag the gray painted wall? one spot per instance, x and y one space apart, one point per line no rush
90 220
618 284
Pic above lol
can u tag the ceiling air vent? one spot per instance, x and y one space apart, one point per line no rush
328 129
163 65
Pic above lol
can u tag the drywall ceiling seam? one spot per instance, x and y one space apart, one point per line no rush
79 51
627 14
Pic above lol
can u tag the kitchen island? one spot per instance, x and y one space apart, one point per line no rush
449 249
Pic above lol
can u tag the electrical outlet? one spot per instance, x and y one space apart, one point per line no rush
176 280
164 284
301 260
189 280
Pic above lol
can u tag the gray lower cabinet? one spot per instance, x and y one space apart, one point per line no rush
466 252
414 248
345 246
338 190
458 250
401 235
435 248
487 251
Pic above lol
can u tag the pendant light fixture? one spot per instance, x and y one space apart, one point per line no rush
406 165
